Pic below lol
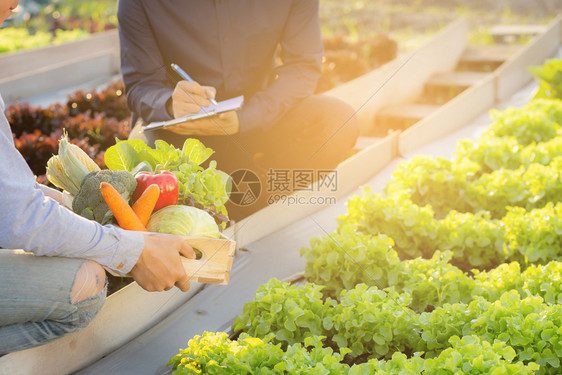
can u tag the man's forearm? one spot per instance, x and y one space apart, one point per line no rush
149 100
142 65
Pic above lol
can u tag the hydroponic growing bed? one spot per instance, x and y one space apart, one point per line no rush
434 315
273 238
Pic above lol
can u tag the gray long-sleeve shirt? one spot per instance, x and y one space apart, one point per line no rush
36 223
227 44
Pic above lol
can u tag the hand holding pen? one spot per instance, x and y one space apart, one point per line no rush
186 77
189 97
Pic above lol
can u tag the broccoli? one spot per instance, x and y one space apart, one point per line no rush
89 202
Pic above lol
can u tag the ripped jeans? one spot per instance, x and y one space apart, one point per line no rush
36 299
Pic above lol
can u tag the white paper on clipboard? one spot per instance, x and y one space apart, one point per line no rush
232 104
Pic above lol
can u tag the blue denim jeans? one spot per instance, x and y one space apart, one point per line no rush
35 305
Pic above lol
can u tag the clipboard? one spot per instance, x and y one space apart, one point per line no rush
232 104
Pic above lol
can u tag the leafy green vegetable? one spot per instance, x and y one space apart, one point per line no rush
398 364
549 76
413 228
448 186
437 182
344 259
467 355
377 324
474 355
534 236
538 121
475 240
214 353
205 186
364 319
434 282
529 326
371 321
290 313
16 38
530 186
492 153
183 220
195 151
537 280
124 154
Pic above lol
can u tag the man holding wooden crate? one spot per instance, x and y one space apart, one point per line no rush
54 282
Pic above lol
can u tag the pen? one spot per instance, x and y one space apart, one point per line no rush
186 76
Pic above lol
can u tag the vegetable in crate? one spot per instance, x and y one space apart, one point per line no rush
197 186
144 206
89 202
67 169
123 213
183 220
166 181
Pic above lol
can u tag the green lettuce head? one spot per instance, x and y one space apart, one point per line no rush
183 220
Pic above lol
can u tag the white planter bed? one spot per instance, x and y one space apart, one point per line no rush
29 73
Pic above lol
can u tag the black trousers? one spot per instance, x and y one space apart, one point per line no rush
316 134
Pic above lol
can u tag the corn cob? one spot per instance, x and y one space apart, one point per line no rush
57 177
67 169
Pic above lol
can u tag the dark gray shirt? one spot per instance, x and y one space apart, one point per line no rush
228 44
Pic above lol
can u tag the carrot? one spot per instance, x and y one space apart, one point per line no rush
144 206
123 213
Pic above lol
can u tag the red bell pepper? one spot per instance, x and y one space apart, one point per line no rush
166 181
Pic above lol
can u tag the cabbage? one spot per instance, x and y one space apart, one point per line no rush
184 220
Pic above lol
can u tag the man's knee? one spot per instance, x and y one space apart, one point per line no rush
341 127
339 119
90 282
347 124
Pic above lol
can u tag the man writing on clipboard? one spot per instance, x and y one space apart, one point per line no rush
269 51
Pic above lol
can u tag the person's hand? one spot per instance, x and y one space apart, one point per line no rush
225 123
159 266
188 98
